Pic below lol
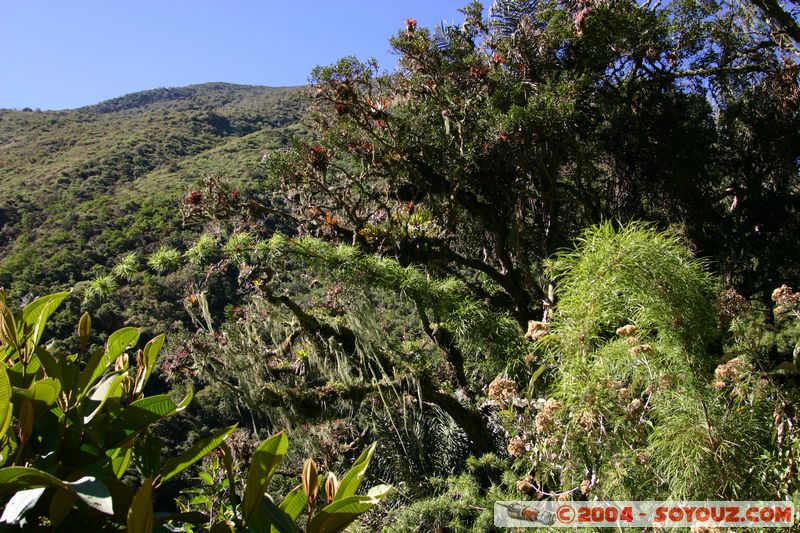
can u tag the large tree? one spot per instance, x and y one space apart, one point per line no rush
416 222
496 141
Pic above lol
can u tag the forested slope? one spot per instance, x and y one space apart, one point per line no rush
79 187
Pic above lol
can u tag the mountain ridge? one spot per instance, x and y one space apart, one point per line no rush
157 94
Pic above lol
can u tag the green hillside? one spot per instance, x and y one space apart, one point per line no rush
79 187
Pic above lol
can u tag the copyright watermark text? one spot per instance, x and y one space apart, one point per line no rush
644 514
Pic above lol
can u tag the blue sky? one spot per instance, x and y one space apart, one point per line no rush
59 54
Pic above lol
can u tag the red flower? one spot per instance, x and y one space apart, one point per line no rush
193 198
318 157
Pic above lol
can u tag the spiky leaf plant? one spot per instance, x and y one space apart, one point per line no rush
633 412
164 259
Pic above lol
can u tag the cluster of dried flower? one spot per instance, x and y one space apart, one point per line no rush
732 304
730 373
537 330
547 415
641 349
633 407
502 390
517 447
525 485
586 420
785 300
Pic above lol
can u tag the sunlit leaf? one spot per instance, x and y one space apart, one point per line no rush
140 515
178 464
37 312
263 464
349 484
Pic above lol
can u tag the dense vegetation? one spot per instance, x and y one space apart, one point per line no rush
550 256
80 187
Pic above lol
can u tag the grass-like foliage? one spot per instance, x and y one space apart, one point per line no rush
633 412
634 275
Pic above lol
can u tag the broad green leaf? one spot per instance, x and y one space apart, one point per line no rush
141 414
352 479
198 500
268 517
294 502
16 478
336 516
120 459
109 388
42 393
140 515
147 450
51 367
93 493
37 312
25 417
263 464
20 503
117 343
8 328
149 356
379 491
94 368
178 464
6 408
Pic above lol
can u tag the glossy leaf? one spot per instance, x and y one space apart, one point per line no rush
149 357
61 506
140 515
6 408
109 388
263 464
294 502
100 360
93 493
379 491
94 368
16 478
268 517
119 341
42 393
25 416
141 414
51 366
349 484
176 465
37 312
120 460
19 504
336 516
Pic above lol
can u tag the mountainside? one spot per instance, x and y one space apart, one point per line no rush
79 187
